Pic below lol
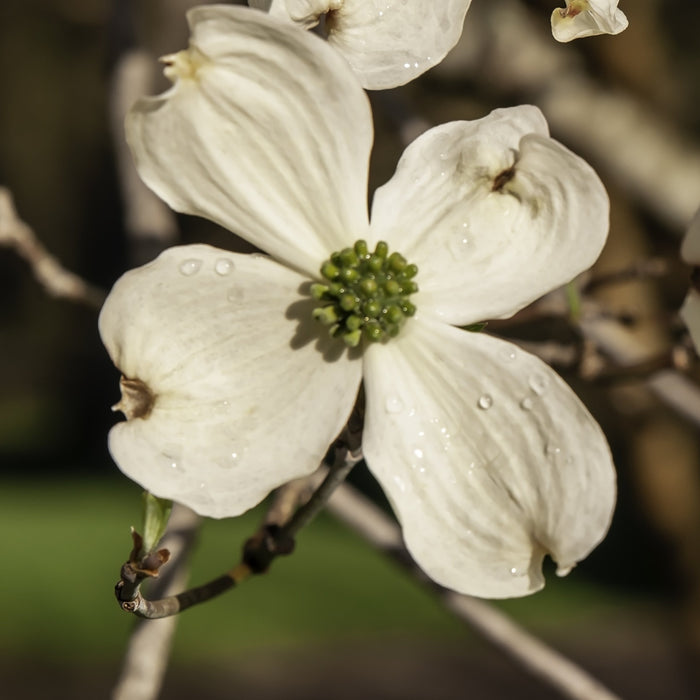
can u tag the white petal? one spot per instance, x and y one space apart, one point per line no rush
494 213
246 398
690 313
488 458
690 248
391 43
583 18
266 131
386 43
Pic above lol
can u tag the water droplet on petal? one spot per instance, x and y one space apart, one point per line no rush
526 404
190 267
552 450
400 483
485 402
175 465
507 354
514 571
224 266
538 383
393 405
235 294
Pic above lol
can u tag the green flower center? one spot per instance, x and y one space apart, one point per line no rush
366 294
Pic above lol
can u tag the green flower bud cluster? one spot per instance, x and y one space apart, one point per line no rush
366 294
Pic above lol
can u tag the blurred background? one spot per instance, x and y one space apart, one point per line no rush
336 615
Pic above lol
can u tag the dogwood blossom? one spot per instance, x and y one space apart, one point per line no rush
690 252
387 42
581 18
230 385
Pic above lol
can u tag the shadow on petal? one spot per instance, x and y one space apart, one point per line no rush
311 331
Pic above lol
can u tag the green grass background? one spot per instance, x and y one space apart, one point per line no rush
63 543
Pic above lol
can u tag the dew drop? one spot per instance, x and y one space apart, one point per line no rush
485 402
418 453
175 466
507 354
538 383
400 483
223 266
393 405
190 267
526 404
552 450
514 571
235 294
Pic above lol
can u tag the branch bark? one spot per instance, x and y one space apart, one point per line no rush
532 654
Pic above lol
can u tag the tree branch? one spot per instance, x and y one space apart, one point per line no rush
535 656
274 538
53 277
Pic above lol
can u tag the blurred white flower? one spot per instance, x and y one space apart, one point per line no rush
387 42
489 460
690 252
581 18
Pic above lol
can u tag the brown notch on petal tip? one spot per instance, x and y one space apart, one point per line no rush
137 399
503 178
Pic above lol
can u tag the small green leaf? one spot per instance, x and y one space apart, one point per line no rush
573 299
156 512
475 327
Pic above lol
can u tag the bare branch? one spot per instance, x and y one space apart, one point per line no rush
535 656
146 215
53 277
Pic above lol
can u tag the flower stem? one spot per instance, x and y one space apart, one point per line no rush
274 538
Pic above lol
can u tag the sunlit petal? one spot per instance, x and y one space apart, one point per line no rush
387 43
488 458
244 395
266 131
494 212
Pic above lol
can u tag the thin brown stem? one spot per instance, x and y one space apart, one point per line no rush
274 538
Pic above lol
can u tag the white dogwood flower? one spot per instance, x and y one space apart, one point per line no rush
387 42
690 252
581 18
231 386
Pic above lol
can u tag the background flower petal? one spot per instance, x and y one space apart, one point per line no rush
266 131
246 396
583 18
494 213
488 458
